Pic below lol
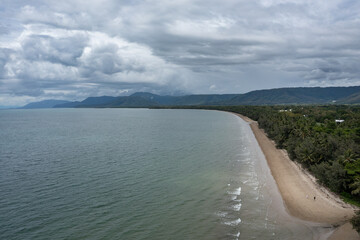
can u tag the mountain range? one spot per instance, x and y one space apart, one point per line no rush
279 96
44 104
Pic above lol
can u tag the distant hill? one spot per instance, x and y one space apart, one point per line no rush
106 101
93 101
144 99
162 100
132 101
210 99
44 104
352 99
315 95
67 105
201 99
88 102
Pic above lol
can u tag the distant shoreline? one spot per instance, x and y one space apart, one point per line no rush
298 189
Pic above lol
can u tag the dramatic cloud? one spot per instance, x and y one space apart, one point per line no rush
75 49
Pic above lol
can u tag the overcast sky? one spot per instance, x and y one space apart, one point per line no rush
75 49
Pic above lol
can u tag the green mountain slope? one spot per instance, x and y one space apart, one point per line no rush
316 95
44 104
352 99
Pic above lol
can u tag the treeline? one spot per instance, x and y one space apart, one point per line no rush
329 149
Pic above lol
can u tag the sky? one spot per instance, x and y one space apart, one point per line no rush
73 49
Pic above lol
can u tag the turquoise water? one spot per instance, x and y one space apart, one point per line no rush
132 174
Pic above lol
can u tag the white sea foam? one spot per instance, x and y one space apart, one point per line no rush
233 223
237 207
236 192
244 154
221 214
237 235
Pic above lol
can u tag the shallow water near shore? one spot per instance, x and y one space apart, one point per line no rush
137 174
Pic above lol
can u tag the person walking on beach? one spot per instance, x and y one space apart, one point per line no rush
314 198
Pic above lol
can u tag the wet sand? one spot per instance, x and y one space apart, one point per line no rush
302 196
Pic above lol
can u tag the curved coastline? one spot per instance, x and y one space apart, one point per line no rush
303 198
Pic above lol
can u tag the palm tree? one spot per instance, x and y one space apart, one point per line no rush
347 157
356 186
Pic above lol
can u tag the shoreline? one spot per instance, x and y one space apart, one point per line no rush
302 197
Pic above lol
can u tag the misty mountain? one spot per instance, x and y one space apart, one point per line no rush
132 101
315 95
67 105
93 101
106 101
200 99
352 99
44 104
88 102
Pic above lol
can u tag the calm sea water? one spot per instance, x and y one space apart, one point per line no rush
134 174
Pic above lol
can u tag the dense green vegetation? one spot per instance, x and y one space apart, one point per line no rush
356 221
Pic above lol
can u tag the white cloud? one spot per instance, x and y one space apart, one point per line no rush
205 28
74 49
48 62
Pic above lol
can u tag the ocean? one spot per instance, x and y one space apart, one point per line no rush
136 174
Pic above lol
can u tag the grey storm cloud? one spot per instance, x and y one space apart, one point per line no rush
62 50
75 49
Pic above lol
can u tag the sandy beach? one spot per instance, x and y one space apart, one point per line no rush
302 196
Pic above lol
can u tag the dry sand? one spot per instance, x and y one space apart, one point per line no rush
302 196
345 232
